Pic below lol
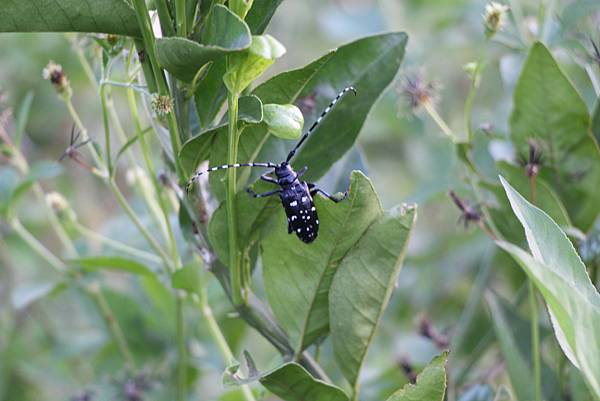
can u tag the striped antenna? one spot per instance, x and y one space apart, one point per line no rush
223 167
318 121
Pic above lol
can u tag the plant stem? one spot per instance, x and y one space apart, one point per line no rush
106 130
136 221
138 253
428 106
219 338
37 246
96 293
163 89
166 25
181 349
84 137
180 17
535 343
234 258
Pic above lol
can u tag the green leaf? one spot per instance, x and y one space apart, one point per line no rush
210 95
548 108
250 109
39 171
245 67
518 369
96 263
596 121
369 64
188 278
292 382
22 118
260 14
284 120
430 386
362 287
561 277
197 149
223 33
102 16
298 277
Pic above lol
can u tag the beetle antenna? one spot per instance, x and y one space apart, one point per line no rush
318 121
223 167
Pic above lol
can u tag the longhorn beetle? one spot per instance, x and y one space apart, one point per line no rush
296 196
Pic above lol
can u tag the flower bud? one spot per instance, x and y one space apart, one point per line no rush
493 18
60 205
162 105
55 74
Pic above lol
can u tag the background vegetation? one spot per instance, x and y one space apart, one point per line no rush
90 309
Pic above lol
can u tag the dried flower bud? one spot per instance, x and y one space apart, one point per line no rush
427 329
162 105
533 161
406 366
417 91
494 18
55 74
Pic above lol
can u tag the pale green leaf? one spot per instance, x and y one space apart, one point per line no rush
362 286
430 386
95 263
188 278
284 120
561 277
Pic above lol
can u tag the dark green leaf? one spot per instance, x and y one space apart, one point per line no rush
250 109
102 16
210 95
292 382
96 263
430 386
596 121
298 277
362 286
260 14
223 33
561 277
548 108
197 149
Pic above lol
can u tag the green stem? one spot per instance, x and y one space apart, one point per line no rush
234 257
106 130
219 338
181 349
428 106
163 88
37 246
96 293
180 17
136 221
535 343
138 253
166 24
84 137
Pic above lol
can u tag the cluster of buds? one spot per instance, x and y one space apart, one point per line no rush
55 74
162 105
494 18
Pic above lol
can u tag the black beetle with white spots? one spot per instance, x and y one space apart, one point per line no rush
296 196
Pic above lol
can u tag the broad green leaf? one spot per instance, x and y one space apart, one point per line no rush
197 149
548 108
561 277
188 278
210 95
298 277
362 286
102 16
284 120
430 386
517 366
223 33
250 109
292 382
248 65
369 64
96 263
260 14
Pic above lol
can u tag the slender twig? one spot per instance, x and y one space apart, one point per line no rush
37 246
428 106
535 335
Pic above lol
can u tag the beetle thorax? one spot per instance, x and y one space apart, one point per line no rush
285 174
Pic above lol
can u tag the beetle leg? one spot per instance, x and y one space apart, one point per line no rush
266 178
264 194
314 191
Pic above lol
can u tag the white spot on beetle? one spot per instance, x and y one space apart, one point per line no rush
313 208
294 203
317 221
236 165
299 230
294 217
308 228
304 198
